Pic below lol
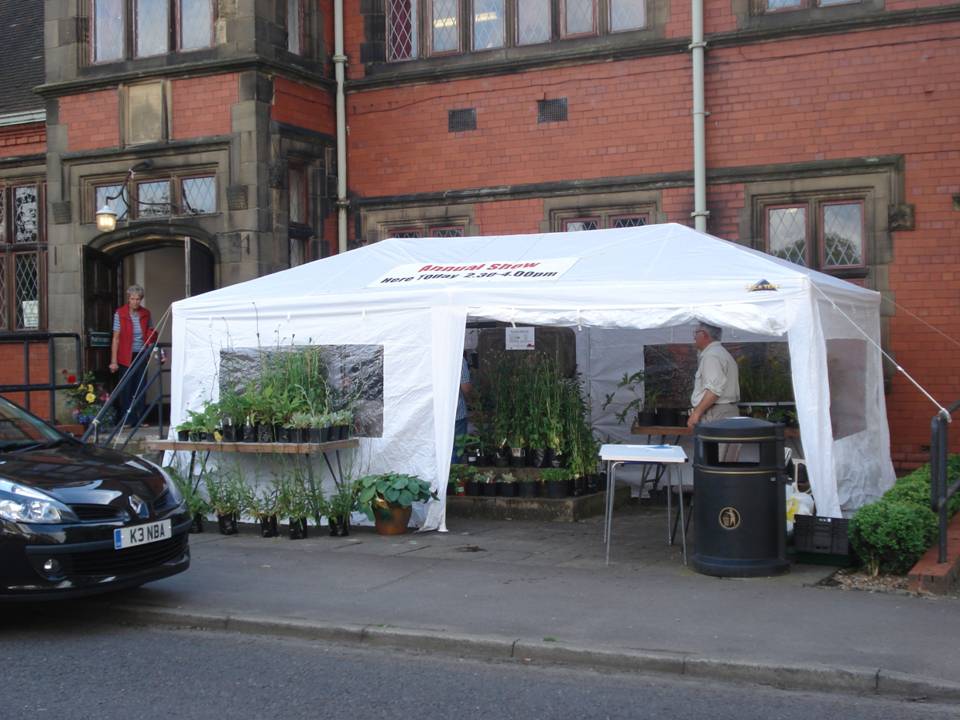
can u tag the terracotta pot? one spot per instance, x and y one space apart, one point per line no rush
391 519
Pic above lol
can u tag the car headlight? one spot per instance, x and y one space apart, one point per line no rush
19 503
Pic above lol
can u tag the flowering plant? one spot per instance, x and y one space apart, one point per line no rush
85 398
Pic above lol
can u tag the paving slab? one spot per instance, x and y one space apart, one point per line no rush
546 584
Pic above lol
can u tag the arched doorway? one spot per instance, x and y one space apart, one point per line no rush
169 266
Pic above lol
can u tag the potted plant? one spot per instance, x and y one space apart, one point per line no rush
528 485
387 499
342 422
299 424
293 502
340 507
227 491
460 475
556 482
196 503
507 485
263 506
487 484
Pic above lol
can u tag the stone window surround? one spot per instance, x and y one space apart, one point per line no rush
753 13
606 204
657 14
88 189
375 225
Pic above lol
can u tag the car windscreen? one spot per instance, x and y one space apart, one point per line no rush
18 428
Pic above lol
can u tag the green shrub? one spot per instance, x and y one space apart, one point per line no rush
891 535
915 487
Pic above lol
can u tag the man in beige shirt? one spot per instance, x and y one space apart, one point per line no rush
716 388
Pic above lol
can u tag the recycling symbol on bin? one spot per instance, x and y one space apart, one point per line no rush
729 518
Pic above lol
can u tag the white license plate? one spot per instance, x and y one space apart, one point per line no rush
141 534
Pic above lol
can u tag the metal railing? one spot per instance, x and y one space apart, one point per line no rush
146 374
51 385
940 493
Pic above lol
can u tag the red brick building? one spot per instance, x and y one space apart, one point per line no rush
831 139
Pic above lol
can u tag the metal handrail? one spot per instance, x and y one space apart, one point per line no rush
51 386
146 380
940 493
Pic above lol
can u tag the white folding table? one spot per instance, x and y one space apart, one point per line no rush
665 456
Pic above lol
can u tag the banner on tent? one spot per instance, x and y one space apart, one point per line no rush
514 271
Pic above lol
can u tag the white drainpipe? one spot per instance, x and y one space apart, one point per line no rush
697 46
339 61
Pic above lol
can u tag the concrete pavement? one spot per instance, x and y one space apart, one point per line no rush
540 592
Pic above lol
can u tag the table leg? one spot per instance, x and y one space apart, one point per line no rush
683 525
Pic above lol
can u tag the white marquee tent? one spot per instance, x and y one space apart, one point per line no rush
413 297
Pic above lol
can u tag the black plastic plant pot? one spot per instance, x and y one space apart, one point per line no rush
471 488
209 437
536 457
298 528
646 418
229 433
472 458
667 417
197 525
339 527
325 434
528 489
518 457
195 436
501 461
579 486
265 433
283 434
557 460
314 435
343 432
558 488
268 527
488 489
507 489
183 435
248 433
592 484
227 524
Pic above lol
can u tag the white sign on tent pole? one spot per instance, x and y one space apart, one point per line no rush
522 271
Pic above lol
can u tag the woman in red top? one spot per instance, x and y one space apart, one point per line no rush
132 332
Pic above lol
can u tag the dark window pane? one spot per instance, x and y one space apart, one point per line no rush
446 25
533 21
27 289
153 199
625 221
627 14
3 292
26 216
294 26
406 233
488 24
196 24
298 195
153 27
787 233
842 234
581 224
199 195
108 30
446 232
401 29
112 197
578 16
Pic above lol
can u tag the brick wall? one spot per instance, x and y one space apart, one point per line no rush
302 105
92 120
202 105
12 373
27 139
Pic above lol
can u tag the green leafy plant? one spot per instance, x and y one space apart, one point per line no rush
392 489
891 535
190 489
293 499
507 478
556 475
343 501
227 490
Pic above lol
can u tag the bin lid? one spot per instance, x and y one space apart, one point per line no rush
739 428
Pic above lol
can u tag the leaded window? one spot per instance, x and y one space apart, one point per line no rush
199 195
422 230
472 25
821 232
778 5
153 198
600 219
22 255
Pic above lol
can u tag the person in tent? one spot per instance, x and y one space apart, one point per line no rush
132 331
716 387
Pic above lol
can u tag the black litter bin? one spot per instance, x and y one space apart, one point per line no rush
738 507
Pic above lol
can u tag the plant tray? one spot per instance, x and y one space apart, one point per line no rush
821 535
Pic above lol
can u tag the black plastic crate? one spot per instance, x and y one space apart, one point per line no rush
821 535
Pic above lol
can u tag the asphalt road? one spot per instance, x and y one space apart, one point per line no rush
58 666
